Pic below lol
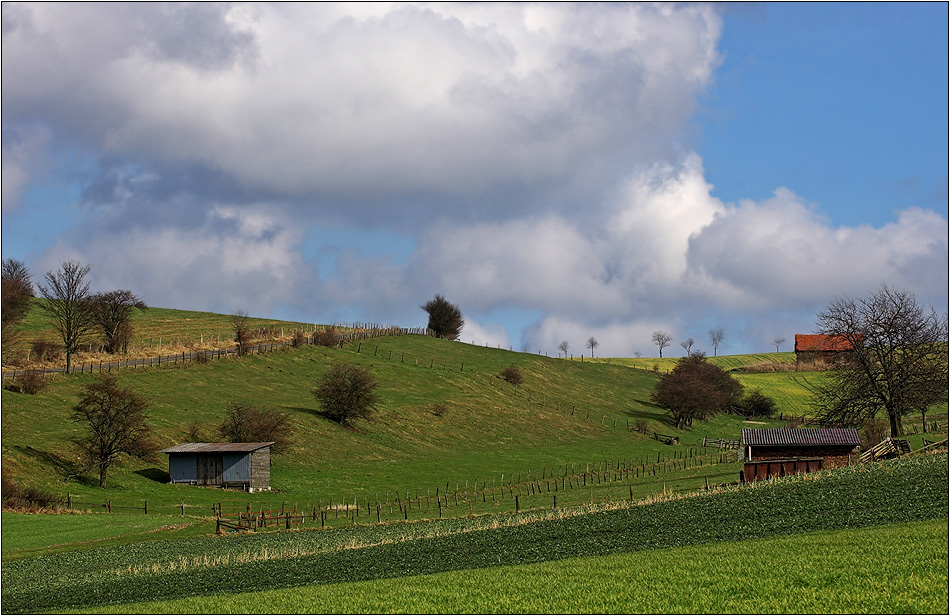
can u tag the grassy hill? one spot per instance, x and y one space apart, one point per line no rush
564 414
562 446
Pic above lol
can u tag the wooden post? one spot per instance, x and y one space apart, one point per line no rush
146 507
517 503
69 501
109 505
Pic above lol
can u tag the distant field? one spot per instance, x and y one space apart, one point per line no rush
726 362
157 330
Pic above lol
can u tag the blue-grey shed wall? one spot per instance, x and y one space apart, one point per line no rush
237 467
183 467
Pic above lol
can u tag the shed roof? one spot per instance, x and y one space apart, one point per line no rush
216 447
820 342
801 437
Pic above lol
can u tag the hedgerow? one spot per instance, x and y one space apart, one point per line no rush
855 497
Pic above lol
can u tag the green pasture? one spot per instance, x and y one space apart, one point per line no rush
31 534
841 500
566 415
830 572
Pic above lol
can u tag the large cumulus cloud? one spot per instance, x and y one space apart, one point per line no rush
534 159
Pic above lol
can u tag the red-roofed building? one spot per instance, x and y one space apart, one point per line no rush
812 347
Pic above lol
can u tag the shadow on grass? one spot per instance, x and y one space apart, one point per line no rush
155 474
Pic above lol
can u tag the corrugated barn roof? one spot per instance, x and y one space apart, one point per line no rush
216 447
818 342
800 437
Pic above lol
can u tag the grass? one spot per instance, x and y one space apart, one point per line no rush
829 572
26 535
489 428
856 497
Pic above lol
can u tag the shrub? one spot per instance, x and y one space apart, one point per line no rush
642 425
298 339
246 423
27 499
757 404
325 337
347 392
438 409
873 432
202 357
195 432
512 375
32 382
445 318
48 350
696 389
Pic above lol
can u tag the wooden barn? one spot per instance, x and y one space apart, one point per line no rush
813 347
226 465
772 452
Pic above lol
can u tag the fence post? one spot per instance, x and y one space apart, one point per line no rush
146 507
109 505
69 501
517 503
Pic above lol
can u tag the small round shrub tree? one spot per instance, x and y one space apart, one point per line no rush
347 392
445 318
512 375
757 404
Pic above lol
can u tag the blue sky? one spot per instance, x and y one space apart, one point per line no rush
558 171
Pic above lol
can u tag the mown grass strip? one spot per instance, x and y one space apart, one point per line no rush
841 571
848 498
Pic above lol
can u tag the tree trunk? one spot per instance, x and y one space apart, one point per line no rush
103 475
897 429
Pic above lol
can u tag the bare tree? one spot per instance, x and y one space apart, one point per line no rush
778 342
592 344
687 346
716 336
242 331
67 293
898 364
563 347
112 314
116 420
246 423
662 340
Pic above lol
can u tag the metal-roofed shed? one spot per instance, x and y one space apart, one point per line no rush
780 451
227 465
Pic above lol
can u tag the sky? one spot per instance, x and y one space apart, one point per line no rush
558 171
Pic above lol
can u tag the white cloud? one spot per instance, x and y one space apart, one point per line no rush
322 101
235 260
492 335
533 154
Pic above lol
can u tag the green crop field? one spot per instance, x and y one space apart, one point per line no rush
831 571
838 500
560 455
